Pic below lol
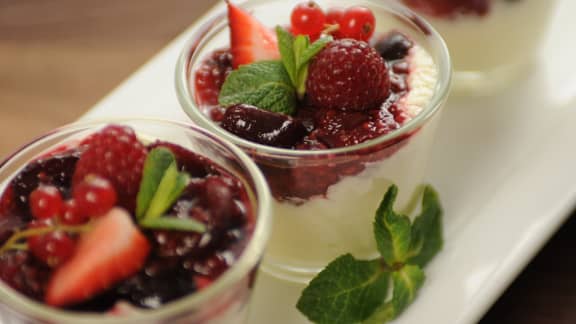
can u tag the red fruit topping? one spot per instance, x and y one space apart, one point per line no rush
348 75
116 154
53 170
337 129
307 18
449 8
94 196
53 248
334 16
210 76
72 215
112 251
358 23
250 41
264 127
46 202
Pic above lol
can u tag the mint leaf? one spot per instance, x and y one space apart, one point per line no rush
314 49
406 282
169 189
174 223
156 163
296 53
393 232
286 48
264 84
346 291
427 228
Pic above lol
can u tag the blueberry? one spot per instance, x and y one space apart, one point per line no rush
394 46
263 127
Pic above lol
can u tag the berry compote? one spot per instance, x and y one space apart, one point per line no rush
114 219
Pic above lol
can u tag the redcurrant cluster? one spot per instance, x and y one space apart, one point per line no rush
355 22
51 236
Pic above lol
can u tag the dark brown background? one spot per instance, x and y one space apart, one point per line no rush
59 57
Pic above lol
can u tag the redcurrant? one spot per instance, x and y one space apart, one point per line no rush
72 215
308 18
53 248
46 202
358 23
334 17
94 196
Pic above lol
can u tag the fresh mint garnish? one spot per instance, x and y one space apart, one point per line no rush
174 223
274 85
296 53
160 187
346 291
264 84
355 291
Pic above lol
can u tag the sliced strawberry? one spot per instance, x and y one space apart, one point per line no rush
112 251
250 41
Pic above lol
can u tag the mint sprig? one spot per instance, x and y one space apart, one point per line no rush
355 291
160 187
296 53
274 85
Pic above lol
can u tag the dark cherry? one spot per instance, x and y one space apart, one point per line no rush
51 170
393 46
264 127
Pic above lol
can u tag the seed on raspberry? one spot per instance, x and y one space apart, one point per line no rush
358 23
46 202
348 75
307 18
94 196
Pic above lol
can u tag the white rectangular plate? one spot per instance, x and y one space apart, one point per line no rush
504 166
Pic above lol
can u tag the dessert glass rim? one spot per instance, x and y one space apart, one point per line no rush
249 258
215 23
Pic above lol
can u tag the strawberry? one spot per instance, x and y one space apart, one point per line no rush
250 41
113 250
115 154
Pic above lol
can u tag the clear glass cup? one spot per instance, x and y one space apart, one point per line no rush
493 43
312 228
226 299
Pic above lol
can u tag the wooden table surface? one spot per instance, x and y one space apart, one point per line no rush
58 58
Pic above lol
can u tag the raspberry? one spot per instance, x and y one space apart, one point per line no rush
210 76
348 75
116 154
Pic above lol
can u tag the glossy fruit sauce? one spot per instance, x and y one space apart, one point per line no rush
179 262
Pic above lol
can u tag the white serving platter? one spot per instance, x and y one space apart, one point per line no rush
504 166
